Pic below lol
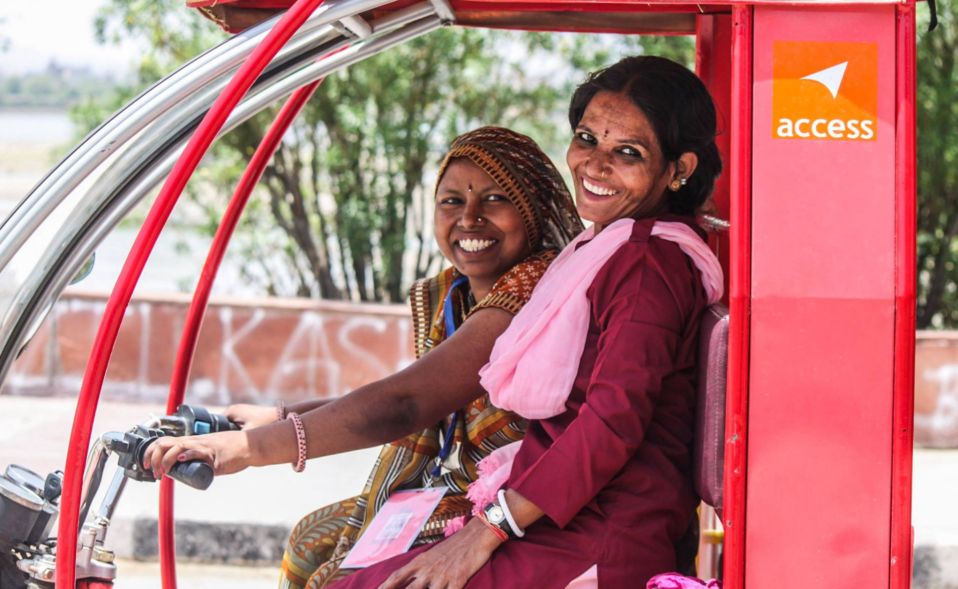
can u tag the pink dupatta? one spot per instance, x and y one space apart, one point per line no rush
534 362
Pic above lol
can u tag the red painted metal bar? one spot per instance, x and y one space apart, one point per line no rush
905 286
197 311
133 268
736 421
713 65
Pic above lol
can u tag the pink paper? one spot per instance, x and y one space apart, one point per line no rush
395 527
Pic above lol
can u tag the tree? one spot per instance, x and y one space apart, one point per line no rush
937 172
344 208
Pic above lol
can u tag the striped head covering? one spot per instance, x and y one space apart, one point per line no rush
528 178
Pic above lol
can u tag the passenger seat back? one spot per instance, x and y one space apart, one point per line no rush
709 444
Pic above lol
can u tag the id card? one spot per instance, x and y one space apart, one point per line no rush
395 527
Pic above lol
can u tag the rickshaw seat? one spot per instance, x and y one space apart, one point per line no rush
709 444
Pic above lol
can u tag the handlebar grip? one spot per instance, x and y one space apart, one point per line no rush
200 421
194 473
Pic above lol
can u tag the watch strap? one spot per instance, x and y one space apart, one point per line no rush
501 523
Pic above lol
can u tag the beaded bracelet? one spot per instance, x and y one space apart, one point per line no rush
300 464
495 529
280 410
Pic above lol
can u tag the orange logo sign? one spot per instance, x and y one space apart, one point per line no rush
824 90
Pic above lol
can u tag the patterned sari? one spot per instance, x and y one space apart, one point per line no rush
322 539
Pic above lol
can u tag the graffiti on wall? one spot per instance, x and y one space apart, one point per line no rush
245 353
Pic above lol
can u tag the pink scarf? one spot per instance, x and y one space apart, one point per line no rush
677 581
534 362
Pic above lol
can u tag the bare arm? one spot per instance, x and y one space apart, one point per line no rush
434 386
252 416
419 396
308 405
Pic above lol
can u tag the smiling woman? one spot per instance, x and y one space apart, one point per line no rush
477 228
632 142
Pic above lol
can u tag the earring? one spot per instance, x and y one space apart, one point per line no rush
675 185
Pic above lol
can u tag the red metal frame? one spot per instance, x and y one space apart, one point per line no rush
905 300
133 268
739 203
713 64
736 421
194 318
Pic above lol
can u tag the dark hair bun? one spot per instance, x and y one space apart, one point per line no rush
681 112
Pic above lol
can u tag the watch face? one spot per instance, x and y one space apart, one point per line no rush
495 514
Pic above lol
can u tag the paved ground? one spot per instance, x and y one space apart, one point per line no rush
146 575
34 432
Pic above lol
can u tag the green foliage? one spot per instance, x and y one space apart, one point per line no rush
344 208
938 169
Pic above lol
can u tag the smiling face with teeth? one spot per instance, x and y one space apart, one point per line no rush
483 249
617 163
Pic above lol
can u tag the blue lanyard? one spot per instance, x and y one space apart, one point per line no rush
450 318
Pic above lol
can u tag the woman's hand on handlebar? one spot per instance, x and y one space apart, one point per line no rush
226 452
251 416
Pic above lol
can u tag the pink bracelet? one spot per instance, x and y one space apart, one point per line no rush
300 464
280 410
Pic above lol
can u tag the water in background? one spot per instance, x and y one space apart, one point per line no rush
36 127
33 141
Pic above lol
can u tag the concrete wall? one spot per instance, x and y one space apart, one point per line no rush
249 350
936 389
260 350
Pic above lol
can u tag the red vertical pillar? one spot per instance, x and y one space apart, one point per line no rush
713 64
740 265
824 247
906 279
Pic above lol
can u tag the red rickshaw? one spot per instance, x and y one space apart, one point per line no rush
810 468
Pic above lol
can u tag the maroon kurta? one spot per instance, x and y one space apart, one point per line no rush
613 473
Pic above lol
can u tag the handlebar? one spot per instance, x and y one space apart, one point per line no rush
194 420
194 473
29 504
188 420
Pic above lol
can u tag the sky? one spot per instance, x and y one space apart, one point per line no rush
39 31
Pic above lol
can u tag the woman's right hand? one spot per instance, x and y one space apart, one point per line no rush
251 416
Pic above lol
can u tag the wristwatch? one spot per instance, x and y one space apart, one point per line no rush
497 517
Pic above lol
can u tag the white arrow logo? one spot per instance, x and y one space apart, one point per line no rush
831 77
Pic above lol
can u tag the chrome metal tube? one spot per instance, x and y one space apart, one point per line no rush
714 224
112 496
357 26
114 133
104 207
402 17
96 462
